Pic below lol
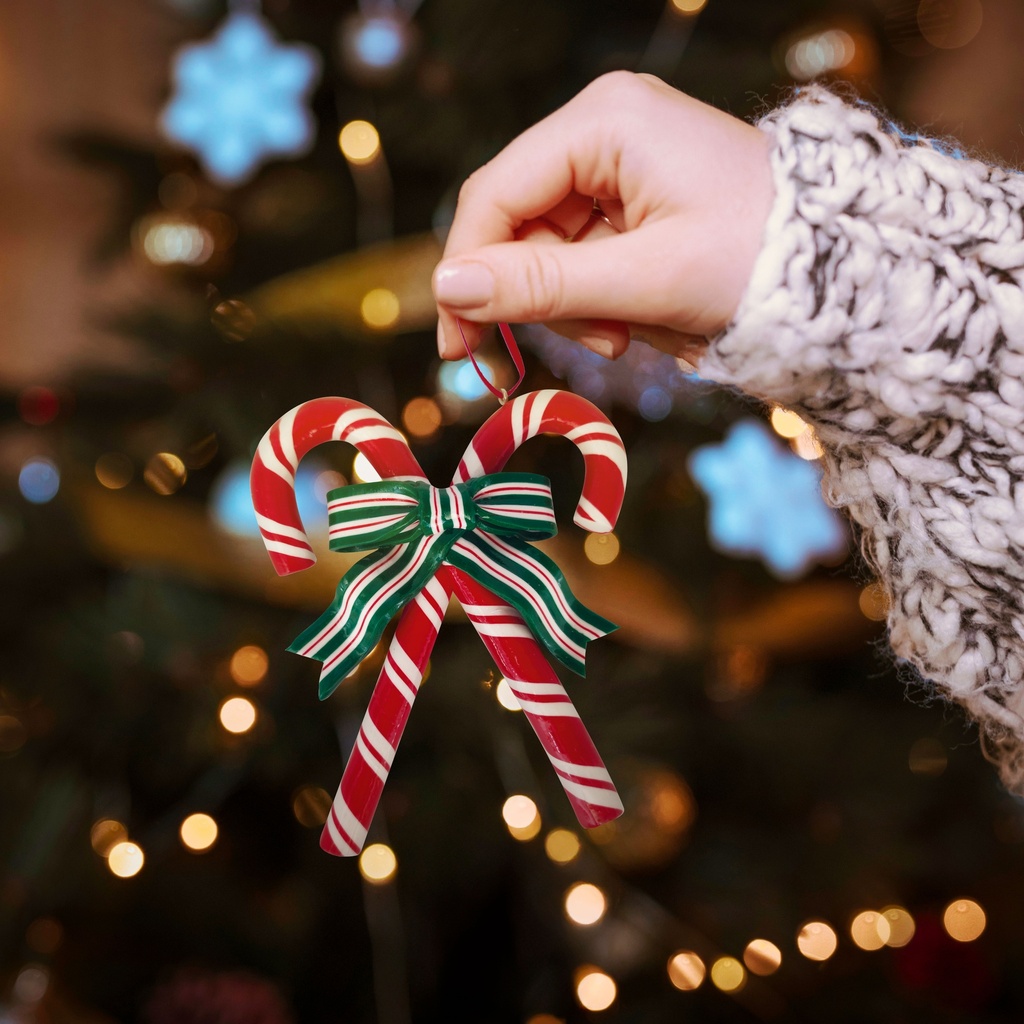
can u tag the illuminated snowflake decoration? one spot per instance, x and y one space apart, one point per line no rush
240 98
766 501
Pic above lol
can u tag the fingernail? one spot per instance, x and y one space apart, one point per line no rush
464 285
602 346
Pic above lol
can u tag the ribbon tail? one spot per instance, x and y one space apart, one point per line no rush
534 585
367 598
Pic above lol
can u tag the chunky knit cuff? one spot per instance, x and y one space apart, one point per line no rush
887 308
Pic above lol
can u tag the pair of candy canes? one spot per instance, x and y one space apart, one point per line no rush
517 654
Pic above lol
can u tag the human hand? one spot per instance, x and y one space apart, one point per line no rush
634 211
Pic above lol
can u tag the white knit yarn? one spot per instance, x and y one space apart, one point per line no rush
887 308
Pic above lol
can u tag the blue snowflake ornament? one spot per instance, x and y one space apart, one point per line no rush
765 501
240 98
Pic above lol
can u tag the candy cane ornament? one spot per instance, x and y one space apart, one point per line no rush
517 654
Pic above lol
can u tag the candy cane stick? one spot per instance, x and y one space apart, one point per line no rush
545 703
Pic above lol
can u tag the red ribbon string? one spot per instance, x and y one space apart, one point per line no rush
502 394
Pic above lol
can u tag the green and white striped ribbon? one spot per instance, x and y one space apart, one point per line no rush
482 527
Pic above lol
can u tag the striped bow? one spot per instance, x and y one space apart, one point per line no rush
481 527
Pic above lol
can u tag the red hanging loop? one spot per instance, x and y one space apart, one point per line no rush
501 394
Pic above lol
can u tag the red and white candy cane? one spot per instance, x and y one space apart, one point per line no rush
519 657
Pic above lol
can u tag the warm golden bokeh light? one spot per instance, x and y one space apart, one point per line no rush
114 470
727 974
927 757
198 832
807 446
787 424
874 602
688 6
585 903
165 473
901 926
378 863
964 920
249 665
422 417
380 309
762 957
506 698
869 930
686 971
562 846
363 471
522 817
125 859
105 834
238 714
311 805
359 142
817 940
602 548
595 990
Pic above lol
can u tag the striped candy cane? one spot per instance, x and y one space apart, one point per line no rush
521 660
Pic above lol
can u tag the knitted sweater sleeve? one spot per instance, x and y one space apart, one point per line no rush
886 307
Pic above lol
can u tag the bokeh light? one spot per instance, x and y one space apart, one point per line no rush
728 974
12 734
601 548
165 473
198 832
380 309
686 970
949 24
422 417
807 446
125 859
167 239
901 926
964 920
29 988
249 665
595 990
874 602
869 930
311 805
787 424
521 817
114 470
39 480
237 714
363 471
460 379
378 863
688 6
44 936
38 406
359 142
506 698
585 903
819 53
562 846
927 757
817 940
762 957
105 834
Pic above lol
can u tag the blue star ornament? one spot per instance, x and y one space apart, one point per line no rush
765 501
240 98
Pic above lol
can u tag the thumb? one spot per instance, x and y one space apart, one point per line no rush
629 276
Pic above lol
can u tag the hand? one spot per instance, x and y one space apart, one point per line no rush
633 211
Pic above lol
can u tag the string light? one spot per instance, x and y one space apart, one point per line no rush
114 470
595 990
964 920
105 834
378 863
165 473
506 698
380 309
249 665
727 974
198 832
237 714
521 817
562 846
686 971
762 957
125 859
817 940
869 930
311 805
359 142
585 903
901 926
602 548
